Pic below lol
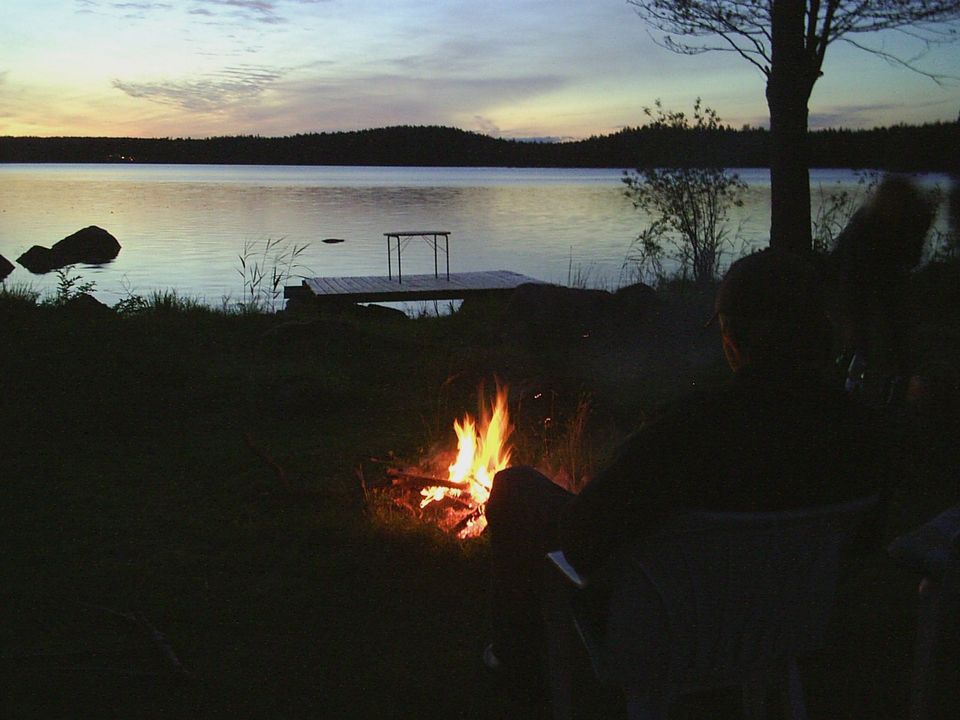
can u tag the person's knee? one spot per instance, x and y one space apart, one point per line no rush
510 487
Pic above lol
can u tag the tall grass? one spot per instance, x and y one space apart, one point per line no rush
18 294
266 271
570 453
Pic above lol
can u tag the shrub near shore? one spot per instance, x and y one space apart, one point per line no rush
129 485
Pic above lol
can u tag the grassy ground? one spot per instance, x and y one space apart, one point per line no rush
131 501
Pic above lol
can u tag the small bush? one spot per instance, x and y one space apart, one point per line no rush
70 285
690 206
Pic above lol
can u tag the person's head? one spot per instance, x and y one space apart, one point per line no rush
773 313
885 238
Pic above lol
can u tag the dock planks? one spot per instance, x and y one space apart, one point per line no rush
412 287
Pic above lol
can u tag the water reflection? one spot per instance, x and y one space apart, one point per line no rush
183 227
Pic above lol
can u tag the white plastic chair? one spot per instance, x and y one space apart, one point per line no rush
721 599
933 551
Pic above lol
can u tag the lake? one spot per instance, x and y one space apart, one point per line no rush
183 227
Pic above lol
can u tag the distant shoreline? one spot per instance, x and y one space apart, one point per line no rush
921 148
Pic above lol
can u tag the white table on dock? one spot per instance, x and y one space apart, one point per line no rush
432 237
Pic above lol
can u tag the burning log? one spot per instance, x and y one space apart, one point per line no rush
466 521
400 477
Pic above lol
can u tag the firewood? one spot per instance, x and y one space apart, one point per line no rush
464 521
412 480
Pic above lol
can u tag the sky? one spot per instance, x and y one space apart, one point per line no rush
557 69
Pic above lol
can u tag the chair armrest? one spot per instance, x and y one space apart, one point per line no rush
932 547
560 562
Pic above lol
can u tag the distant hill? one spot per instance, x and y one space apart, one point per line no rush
931 147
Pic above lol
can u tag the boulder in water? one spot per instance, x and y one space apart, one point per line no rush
6 267
92 245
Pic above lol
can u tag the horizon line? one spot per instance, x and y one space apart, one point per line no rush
547 139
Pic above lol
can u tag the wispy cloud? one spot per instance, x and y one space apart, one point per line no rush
144 6
140 10
865 115
205 94
365 101
487 126
263 11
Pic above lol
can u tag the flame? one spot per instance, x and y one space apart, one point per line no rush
482 452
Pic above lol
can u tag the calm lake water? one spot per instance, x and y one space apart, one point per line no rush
182 227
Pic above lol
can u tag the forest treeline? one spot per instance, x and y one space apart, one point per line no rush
930 147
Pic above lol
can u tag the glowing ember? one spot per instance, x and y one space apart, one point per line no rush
482 451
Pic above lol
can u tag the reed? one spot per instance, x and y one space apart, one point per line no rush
265 271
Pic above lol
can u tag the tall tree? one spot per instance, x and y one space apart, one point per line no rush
787 41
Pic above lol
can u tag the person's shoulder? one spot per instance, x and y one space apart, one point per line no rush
695 401
689 416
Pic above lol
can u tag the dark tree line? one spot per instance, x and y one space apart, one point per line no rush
930 147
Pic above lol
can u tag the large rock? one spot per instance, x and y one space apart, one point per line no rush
86 307
6 267
38 260
634 302
552 313
545 314
92 245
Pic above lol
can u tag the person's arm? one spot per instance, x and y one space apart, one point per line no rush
628 498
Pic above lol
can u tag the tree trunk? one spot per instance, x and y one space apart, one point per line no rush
789 85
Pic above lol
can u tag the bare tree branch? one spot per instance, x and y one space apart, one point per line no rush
744 26
901 62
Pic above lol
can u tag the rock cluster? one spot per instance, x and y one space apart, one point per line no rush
90 245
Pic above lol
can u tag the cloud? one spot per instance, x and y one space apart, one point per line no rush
486 126
263 11
212 93
366 101
260 10
144 6
865 115
140 10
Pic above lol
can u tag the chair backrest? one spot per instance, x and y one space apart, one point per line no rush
722 596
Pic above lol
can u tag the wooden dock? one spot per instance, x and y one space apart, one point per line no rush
411 287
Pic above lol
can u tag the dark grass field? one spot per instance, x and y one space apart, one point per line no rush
141 535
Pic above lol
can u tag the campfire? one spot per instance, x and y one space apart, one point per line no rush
456 502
